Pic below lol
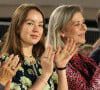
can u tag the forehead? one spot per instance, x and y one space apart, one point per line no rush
34 14
77 17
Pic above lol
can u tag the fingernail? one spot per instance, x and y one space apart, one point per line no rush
12 55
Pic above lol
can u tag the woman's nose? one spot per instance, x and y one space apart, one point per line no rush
84 27
35 28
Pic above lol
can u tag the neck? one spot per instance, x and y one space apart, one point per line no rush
27 51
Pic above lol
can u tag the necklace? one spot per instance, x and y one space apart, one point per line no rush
28 56
29 61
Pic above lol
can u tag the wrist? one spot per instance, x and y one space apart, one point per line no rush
2 82
44 78
45 75
61 68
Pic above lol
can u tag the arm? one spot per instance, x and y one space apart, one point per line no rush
7 86
62 80
47 67
62 57
96 44
40 82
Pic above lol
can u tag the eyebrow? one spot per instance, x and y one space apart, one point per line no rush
77 21
32 20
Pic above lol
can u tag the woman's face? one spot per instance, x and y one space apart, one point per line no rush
76 28
32 29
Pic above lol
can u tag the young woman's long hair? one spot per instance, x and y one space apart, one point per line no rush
12 43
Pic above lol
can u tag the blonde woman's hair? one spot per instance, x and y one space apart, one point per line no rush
58 21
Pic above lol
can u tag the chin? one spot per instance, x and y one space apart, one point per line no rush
84 41
81 42
33 43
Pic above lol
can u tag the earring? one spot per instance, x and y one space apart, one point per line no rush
63 35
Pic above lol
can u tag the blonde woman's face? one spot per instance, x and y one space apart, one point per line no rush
76 28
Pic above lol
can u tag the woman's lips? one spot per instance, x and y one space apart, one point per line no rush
34 36
82 35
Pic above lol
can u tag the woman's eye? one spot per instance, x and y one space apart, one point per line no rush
76 24
30 23
40 25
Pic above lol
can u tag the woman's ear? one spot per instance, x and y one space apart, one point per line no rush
62 34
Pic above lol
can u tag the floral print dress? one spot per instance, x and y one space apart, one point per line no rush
26 76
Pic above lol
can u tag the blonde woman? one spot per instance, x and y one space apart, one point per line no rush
67 28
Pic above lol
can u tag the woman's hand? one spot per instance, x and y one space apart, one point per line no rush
47 69
7 86
9 69
63 56
47 61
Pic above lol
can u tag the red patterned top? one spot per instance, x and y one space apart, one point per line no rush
82 73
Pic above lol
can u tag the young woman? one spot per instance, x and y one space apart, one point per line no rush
67 22
25 38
